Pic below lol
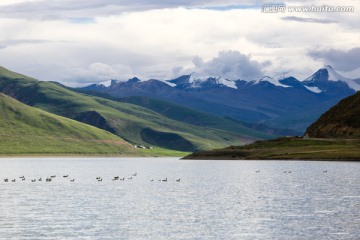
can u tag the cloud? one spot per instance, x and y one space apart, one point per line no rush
60 9
60 40
309 20
15 42
231 65
342 60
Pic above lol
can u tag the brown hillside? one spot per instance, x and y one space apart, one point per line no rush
341 121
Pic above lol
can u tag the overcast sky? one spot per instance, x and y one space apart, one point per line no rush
87 41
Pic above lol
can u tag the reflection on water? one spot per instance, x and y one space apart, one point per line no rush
213 200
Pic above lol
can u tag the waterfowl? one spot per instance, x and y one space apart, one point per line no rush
178 180
40 179
6 180
48 179
65 176
116 178
135 174
72 180
325 171
122 179
54 176
130 178
13 180
257 171
33 180
164 180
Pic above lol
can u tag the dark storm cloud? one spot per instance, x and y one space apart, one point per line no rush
343 60
231 65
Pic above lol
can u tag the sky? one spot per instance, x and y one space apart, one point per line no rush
82 42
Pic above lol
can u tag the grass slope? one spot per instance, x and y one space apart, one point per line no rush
341 121
28 130
127 120
288 149
193 117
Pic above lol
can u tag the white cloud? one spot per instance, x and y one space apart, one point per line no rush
231 65
62 40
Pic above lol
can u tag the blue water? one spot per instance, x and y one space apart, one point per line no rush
213 200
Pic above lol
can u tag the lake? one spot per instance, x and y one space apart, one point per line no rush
212 200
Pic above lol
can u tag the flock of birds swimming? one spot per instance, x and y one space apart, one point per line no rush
99 179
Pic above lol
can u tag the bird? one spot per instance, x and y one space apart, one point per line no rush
100 180
48 179
135 174
178 180
54 176
33 180
40 179
130 178
257 171
13 180
116 178
325 171
151 180
65 176
6 180
122 179
164 180
72 180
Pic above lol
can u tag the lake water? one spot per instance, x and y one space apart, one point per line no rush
213 200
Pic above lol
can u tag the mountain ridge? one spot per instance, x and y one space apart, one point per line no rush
276 102
123 119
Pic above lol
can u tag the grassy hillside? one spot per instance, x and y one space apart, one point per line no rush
288 148
341 121
28 130
193 117
123 119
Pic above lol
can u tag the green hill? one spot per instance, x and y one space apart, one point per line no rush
287 149
193 117
28 130
341 121
133 123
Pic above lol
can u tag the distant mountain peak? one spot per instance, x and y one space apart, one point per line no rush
328 73
134 80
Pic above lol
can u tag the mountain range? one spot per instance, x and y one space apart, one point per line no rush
126 121
334 136
281 103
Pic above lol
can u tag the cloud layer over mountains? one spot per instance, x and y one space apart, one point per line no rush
82 42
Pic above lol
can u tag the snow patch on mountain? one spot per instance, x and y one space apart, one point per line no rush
273 81
334 76
197 80
168 83
313 89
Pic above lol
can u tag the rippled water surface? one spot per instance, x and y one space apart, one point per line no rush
213 200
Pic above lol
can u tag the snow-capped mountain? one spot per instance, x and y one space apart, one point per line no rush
282 101
326 74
